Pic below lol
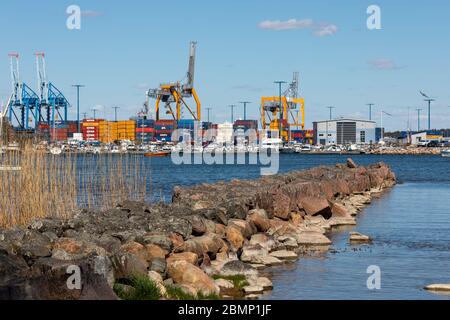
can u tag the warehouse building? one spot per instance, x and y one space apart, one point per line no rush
344 131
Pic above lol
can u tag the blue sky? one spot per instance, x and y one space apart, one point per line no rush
125 47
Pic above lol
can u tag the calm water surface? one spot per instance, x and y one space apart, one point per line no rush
410 226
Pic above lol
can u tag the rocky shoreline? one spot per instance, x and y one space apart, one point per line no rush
212 240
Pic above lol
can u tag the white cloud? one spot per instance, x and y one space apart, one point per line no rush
325 29
290 24
90 13
318 29
383 64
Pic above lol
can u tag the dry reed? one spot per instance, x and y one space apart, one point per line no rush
57 186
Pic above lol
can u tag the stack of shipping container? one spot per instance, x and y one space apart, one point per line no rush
113 131
164 130
241 127
90 129
145 130
60 131
303 136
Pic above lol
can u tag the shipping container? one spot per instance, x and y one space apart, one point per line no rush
145 130
249 124
165 122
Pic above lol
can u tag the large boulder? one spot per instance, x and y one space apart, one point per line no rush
127 265
260 219
210 243
247 228
185 273
189 257
315 206
49 281
234 237
73 249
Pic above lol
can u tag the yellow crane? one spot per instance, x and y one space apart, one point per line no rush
271 108
177 93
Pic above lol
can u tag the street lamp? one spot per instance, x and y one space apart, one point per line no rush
115 113
78 86
280 83
232 106
331 112
245 103
370 105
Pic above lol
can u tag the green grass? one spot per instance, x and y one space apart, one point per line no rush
143 289
239 281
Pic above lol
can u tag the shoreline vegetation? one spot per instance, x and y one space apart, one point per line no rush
42 185
213 241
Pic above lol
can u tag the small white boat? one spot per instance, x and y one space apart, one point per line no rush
271 143
56 151
446 153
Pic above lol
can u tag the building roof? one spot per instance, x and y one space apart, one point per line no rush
345 119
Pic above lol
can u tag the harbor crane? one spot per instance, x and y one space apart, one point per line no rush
52 101
177 93
290 102
23 102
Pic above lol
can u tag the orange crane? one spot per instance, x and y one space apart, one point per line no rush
177 93
271 108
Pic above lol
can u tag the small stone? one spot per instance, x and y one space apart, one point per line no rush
444 288
253 290
237 267
284 255
359 238
269 261
313 238
265 283
224 284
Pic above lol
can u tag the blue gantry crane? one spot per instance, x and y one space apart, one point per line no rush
23 102
52 101
27 108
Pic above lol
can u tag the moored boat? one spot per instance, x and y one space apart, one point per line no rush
157 154
446 153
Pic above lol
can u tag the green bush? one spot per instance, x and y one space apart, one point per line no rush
143 288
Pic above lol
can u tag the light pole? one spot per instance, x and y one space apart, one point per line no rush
382 129
95 112
280 83
245 103
331 112
232 106
208 109
418 119
429 100
370 105
115 113
78 86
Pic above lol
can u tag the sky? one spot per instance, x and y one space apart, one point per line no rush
124 48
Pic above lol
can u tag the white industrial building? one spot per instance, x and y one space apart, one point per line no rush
225 133
344 131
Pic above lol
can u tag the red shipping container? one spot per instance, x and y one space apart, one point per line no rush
145 130
160 123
